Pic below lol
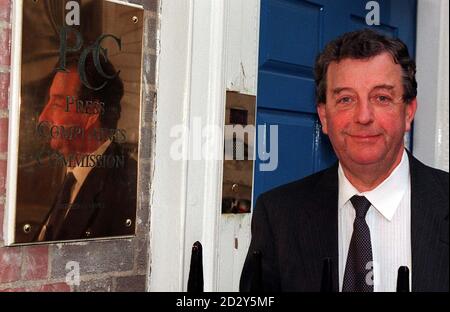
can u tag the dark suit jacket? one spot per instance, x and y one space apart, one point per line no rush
105 204
295 227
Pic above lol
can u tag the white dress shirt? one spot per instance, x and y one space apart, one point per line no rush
81 173
389 221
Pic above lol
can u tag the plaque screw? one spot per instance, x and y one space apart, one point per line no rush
234 187
135 19
27 228
128 222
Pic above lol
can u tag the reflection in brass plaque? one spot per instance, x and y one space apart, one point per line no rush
79 120
238 153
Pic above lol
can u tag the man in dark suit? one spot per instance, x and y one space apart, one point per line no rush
378 208
98 195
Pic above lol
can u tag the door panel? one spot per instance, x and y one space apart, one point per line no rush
289 88
296 134
284 20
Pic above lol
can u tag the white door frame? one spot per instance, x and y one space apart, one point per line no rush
431 124
186 194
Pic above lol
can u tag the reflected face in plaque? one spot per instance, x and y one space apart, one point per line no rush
67 128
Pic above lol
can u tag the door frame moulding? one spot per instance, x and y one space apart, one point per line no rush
186 194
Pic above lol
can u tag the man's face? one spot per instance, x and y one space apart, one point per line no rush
57 113
364 114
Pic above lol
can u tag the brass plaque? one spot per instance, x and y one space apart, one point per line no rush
79 120
238 153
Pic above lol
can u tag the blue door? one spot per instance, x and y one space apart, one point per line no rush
292 32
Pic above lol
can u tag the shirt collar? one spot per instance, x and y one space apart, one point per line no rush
81 173
385 197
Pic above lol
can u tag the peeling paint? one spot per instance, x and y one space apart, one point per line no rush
243 70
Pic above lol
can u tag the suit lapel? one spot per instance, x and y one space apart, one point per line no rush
425 222
323 224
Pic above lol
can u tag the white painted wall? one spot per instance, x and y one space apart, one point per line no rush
168 196
242 44
206 47
186 193
431 132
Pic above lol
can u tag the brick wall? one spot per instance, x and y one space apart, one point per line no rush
110 265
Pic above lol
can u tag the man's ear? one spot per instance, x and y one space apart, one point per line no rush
322 111
410 112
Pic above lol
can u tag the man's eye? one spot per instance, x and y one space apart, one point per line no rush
57 104
383 99
345 100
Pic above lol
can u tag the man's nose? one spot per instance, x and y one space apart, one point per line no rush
364 112
46 112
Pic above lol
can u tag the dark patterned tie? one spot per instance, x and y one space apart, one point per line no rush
60 208
358 276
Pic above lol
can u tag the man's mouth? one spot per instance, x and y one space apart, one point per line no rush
365 137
